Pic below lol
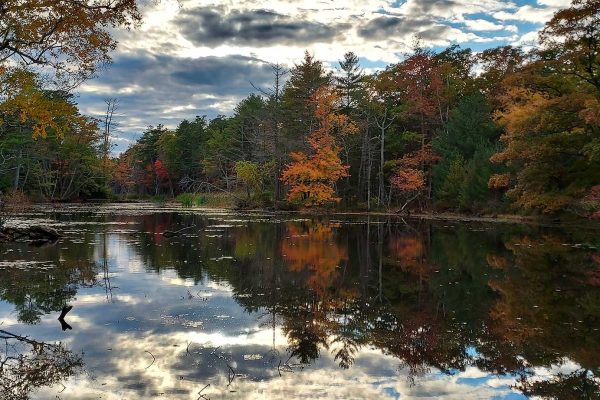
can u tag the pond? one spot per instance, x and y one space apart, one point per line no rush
259 306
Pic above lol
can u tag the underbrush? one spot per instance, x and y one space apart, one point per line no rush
190 199
213 199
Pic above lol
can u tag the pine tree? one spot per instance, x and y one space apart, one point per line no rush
349 81
305 79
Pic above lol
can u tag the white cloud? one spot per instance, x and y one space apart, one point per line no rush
486 26
527 40
526 13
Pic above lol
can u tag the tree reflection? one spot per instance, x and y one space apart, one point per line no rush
309 248
46 281
577 385
442 300
548 309
27 365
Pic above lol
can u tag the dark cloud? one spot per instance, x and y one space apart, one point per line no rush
212 27
167 89
436 33
385 27
228 74
433 6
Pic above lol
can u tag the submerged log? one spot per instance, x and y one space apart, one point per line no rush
35 234
43 232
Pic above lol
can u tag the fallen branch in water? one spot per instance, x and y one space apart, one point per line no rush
175 233
153 359
286 367
27 365
34 235
231 374
203 396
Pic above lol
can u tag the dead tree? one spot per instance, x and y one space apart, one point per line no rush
112 105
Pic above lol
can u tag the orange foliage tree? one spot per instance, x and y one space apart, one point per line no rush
550 114
409 179
312 178
542 130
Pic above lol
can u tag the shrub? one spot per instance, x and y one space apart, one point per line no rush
191 199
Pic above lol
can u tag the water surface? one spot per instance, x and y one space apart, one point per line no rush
255 306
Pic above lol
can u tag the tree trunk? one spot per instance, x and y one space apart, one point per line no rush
18 170
381 162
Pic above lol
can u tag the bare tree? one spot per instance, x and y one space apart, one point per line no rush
383 123
112 105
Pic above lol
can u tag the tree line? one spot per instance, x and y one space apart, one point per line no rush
505 129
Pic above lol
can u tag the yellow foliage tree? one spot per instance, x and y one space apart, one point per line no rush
66 40
41 110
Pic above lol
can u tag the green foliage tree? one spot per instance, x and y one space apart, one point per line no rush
350 81
219 163
248 174
63 166
248 126
305 79
465 144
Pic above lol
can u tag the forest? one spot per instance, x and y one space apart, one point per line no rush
505 130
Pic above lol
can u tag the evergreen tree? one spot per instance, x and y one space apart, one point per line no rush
349 81
305 79
465 144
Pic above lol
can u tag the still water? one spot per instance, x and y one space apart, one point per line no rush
260 306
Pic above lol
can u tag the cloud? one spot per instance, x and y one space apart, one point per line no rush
450 9
386 26
527 40
209 26
486 26
527 13
170 89
401 28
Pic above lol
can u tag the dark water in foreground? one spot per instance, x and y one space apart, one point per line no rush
253 306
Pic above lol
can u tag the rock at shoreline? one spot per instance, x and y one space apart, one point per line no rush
35 234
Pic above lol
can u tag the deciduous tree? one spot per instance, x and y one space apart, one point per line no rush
72 37
312 177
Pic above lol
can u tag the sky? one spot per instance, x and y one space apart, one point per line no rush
199 57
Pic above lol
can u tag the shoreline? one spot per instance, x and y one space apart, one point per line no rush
556 221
